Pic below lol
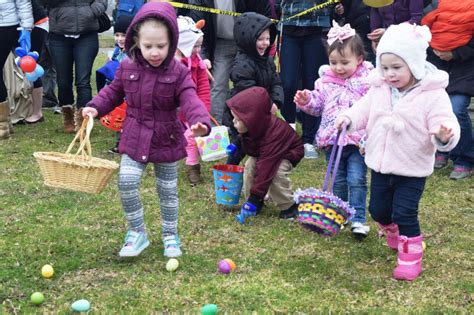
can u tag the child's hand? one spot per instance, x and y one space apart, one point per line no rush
199 129
443 133
91 110
342 121
274 109
208 64
301 97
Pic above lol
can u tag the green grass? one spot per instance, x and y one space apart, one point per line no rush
281 268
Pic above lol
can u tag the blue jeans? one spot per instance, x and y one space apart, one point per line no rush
307 54
463 153
74 56
395 199
351 180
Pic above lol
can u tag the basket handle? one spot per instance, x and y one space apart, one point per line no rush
338 146
214 120
83 136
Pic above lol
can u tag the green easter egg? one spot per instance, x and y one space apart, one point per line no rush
209 309
37 298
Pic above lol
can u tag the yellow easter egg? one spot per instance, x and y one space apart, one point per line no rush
172 264
47 271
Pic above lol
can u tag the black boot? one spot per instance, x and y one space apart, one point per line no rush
290 213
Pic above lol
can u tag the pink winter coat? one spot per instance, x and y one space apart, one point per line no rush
398 139
332 96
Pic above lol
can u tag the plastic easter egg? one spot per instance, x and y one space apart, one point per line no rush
231 264
81 306
47 271
28 64
172 264
223 266
37 298
209 309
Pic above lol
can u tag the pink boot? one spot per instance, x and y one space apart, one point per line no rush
391 233
410 254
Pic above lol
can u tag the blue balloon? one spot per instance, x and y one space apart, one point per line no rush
34 54
39 70
20 52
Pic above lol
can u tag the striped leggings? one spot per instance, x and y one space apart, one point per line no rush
166 174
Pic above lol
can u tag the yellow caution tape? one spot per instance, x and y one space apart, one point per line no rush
232 13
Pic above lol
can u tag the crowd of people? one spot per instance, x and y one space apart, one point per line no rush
397 76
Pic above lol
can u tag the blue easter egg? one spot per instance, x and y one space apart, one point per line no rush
81 306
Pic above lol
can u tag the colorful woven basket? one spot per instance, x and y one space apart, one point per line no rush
320 210
80 171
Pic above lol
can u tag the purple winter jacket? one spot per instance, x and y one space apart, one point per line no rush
152 131
398 12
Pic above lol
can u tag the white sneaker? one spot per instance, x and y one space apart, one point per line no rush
310 152
360 230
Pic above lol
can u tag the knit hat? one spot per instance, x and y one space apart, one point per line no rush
189 33
409 42
122 23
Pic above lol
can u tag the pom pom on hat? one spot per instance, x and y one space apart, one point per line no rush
409 42
189 33
122 23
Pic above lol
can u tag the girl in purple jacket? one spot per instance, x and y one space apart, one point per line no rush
155 85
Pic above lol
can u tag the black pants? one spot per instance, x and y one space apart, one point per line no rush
395 199
8 40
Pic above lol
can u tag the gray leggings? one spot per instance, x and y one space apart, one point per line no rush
166 174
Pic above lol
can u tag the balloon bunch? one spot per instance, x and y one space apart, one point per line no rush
26 59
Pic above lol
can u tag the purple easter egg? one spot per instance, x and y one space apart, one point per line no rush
224 266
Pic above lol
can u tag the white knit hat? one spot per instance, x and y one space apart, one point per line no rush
188 35
409 42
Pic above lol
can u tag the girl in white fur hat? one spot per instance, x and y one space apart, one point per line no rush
407 116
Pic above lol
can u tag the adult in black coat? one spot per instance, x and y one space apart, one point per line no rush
219 47
459 63
357 14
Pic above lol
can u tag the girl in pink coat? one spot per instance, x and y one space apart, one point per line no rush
407 116
340 84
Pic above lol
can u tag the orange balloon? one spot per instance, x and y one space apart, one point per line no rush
27 64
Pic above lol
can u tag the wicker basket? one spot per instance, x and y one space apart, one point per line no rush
80 171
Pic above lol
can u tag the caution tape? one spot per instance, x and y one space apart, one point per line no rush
180 5
315 8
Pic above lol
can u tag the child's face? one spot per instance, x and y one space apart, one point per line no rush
153 41
120 39
396 72
344 65
263 41
238 124
197 46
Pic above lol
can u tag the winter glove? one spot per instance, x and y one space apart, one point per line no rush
231 149
25 40
250 208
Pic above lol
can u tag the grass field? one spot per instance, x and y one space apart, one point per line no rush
281 267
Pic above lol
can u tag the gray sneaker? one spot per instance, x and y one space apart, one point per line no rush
57 110
310 152
360 230
460 172
440 161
